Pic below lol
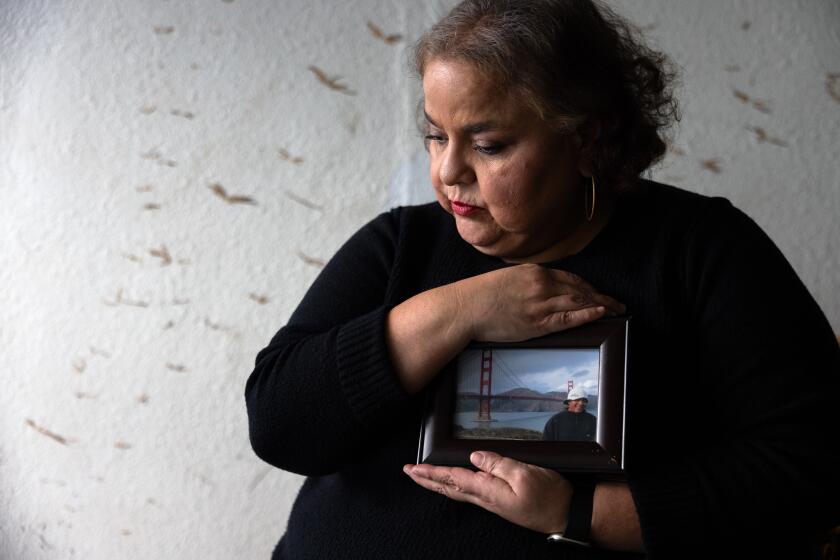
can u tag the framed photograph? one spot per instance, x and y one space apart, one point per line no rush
556 401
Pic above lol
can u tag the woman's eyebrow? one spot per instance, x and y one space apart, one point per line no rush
477 128
473 128
430 120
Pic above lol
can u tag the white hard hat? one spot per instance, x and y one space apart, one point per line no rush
575 394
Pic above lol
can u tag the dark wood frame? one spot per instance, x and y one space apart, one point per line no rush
604 456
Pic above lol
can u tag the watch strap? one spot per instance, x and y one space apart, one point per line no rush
579 523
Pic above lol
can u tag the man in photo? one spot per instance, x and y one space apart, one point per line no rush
573 424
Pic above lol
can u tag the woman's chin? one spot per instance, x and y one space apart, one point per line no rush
483 237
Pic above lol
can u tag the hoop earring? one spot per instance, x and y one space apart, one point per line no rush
590 212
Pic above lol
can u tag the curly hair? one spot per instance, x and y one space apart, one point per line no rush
579 65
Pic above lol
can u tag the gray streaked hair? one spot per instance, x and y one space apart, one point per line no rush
577 64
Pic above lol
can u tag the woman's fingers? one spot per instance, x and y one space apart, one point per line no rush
568 319
496 465
565 277
529 300
492 484
572 300
581 293
460 484
530 496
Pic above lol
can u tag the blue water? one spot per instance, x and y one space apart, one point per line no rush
526 420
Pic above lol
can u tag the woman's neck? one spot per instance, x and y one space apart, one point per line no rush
579 238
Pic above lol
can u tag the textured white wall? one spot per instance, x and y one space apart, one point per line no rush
135 297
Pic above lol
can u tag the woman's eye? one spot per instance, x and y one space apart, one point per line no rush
488 149
434 138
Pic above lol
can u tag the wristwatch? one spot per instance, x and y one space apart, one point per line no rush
580 516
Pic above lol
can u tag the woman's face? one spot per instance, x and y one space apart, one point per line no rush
512 183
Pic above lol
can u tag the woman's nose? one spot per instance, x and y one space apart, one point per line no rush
455 169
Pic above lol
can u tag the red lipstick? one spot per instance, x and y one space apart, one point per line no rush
463 209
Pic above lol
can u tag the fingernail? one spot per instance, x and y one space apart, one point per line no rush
408 468
477 458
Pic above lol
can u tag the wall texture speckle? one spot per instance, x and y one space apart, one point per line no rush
174 174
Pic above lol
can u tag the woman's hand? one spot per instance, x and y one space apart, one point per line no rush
527 495
534 498
517 303
528 300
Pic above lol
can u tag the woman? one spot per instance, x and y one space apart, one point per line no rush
541 115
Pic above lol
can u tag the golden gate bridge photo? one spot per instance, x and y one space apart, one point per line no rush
511 393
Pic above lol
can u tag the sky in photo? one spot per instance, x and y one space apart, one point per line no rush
541 370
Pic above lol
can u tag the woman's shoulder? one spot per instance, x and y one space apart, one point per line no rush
718 246
677 210
660 197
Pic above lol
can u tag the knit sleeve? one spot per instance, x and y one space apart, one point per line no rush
325 380
769 363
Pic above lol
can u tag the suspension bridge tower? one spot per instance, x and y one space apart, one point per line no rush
485 386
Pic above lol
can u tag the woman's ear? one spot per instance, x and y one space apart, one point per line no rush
587 137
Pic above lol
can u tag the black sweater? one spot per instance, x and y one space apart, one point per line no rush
732 401
570 426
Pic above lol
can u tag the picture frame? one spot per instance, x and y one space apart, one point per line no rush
464 412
